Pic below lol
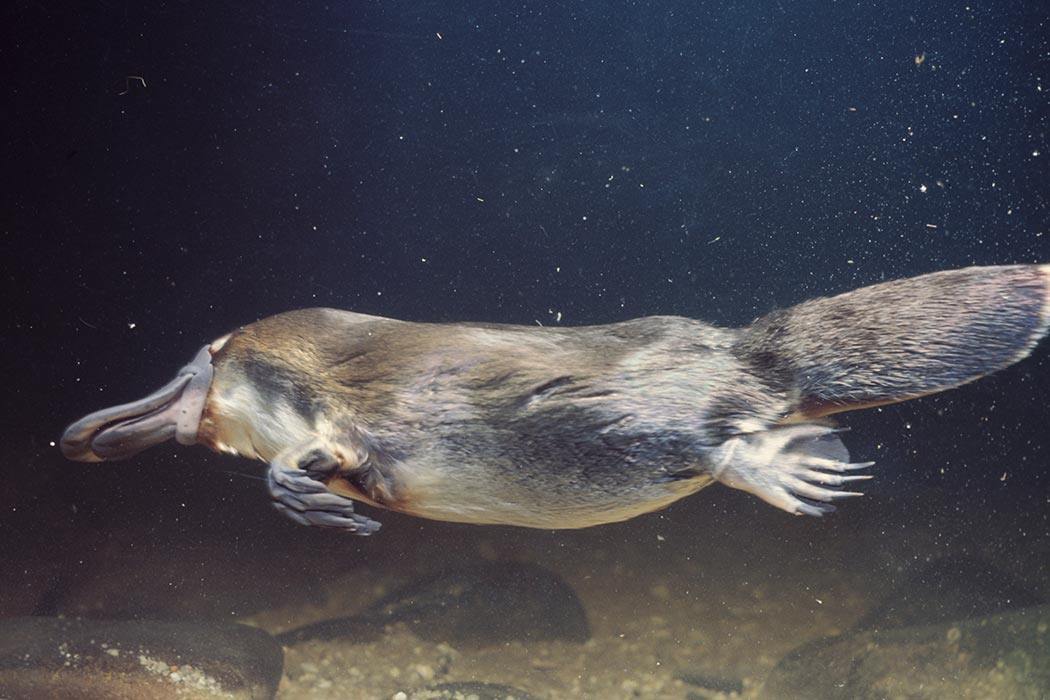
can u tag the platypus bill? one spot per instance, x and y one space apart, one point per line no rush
571 427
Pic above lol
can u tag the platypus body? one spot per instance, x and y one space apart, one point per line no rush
572 427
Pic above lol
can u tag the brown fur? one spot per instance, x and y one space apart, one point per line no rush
902 339
567 427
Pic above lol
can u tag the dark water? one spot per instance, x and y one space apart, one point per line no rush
176 170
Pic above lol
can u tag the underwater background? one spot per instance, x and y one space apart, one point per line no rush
175 170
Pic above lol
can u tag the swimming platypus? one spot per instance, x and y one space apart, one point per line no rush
571 427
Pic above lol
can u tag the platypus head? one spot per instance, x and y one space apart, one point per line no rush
239 395
173 411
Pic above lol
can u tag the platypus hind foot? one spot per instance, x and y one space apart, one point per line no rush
798 468
295 484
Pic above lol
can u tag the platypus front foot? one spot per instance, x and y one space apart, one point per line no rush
797 468
295 483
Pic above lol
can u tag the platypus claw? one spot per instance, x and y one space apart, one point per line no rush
297 493
799 469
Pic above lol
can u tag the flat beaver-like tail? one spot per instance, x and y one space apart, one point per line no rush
899 340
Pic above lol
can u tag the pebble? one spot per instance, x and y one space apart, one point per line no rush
485 605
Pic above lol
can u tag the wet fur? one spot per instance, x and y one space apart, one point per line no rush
904 338
541 427
569 427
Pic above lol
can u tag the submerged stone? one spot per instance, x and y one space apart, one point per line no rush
1000 656
470 607
42 657
710 683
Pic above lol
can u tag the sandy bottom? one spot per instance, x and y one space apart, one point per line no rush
716 588
713 593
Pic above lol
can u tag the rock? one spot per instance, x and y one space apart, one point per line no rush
949 589
1000 656
470 607
465 691
710 683
42 657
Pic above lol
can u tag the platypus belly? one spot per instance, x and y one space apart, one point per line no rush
571 427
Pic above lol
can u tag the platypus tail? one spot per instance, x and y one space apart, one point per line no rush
881 344
900 340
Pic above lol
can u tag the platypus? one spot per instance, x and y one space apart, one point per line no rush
567 427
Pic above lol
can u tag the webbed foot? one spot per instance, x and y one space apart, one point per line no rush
798 468
295 481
